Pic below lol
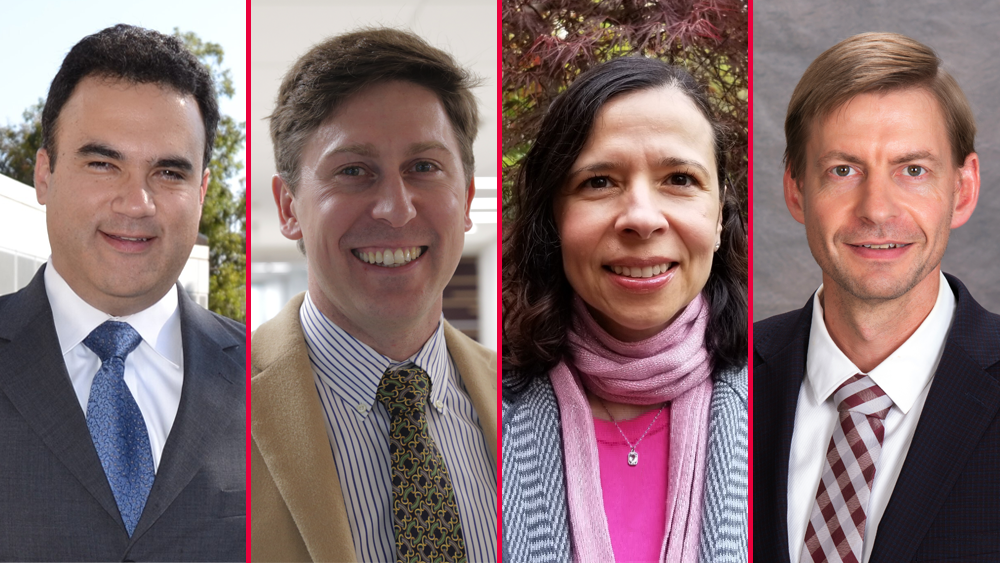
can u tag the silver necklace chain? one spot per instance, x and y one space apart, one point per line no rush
633 457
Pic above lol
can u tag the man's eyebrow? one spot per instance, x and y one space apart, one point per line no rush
360 149
99 149
841 156
175 162
911 156
417 148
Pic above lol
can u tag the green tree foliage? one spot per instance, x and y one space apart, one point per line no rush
223 218
547 43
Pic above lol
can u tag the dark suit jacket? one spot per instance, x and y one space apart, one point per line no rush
55 501
946 503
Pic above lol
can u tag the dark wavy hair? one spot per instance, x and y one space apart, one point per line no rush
537 297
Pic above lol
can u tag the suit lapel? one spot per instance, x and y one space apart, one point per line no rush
209 396
289 428
33 377
779 366
962 402
479 374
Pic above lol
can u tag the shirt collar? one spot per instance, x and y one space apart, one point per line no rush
74 318
903 375
353 370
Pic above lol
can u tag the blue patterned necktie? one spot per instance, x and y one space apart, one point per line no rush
116 424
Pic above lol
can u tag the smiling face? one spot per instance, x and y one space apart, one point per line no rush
124 200
382 208
880 193
639 214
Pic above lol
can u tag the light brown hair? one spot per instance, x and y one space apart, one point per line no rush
874 63
336 69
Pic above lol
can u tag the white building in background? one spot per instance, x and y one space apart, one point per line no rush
24 244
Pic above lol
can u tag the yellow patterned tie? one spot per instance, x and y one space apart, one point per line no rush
425 515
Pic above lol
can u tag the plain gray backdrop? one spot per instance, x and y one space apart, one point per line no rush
787 36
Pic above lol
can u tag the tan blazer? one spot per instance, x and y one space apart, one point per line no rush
297 507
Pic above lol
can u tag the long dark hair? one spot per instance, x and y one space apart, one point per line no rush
536 294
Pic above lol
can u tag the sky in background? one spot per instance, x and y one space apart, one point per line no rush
35 37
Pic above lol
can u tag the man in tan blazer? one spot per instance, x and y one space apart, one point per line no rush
372 135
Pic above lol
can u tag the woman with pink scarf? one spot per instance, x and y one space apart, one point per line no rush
625 330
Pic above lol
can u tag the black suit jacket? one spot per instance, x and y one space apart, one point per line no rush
946 503
55 501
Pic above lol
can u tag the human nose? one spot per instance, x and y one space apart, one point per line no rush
640 215
135 199
395 203
877 201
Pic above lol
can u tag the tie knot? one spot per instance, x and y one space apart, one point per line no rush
112 339
405 389
861 395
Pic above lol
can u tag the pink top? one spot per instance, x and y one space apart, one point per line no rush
635 498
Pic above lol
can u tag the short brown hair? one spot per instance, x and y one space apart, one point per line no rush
334 70
874 63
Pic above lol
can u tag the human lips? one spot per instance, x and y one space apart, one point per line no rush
646 268
128 242
388 256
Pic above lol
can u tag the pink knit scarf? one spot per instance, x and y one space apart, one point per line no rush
670 366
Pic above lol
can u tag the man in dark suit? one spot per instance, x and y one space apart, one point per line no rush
876 405
122 402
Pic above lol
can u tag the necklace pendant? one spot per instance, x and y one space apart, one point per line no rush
633 458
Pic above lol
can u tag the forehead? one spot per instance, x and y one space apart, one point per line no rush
410 110
118 111
663 117
882 122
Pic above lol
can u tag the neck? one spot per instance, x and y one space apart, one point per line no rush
393 337
869 331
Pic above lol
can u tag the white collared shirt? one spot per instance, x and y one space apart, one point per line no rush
347 374
154 371
905 376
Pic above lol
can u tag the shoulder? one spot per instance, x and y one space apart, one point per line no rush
469 353
973 328
278 338
774 333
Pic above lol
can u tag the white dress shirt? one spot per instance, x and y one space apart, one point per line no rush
347 374
154 371
905 376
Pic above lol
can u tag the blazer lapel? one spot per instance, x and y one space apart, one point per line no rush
779 367
962 402
479 374
209 395
289 428
34 379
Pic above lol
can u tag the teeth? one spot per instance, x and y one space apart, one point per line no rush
390 258
881 246
641 271
133 239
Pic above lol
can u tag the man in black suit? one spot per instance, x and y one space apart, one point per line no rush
122 402
876 426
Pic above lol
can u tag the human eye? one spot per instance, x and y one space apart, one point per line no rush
681 179
843 171
914 170
172 175
100 165
596 182
425 166
355 171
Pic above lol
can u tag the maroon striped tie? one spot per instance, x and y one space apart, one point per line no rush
836 530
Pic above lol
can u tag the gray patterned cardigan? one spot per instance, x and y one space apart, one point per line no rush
535 512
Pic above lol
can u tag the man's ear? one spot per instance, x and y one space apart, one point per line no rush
283 198
42 173
966 191
793 196
470 193
204 185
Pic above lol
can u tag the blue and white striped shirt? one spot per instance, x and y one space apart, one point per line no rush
348 373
